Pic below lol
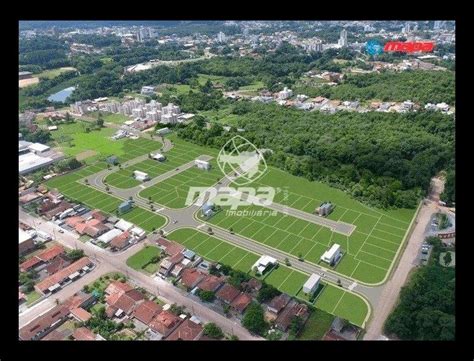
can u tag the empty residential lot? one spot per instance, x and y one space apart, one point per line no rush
173 192
368 252
179 155
331 299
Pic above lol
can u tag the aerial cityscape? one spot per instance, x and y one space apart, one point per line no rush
236 180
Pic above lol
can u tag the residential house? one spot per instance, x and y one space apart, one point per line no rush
79 300
84 334
241 302
44 324
122 299
51 253
165 323
277 304
190 278
186 331
120 242
93 228
97 214
56 335
146 311
57 264
292 310
168 263
210 283
252 286
80 314
30 264
63 277
227 293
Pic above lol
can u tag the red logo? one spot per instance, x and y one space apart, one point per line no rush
409 46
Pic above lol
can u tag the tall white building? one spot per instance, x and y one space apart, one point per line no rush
343 38
221 37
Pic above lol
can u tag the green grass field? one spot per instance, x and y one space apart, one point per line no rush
173 192
317 325
95 145
222 115
368 251
331 299
53 73
142 259
202 78
179 155
115 118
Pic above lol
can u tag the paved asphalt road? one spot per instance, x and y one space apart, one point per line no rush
109 262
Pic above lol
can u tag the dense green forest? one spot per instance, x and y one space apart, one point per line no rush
99 41
43 51
383 159
427 306
449 194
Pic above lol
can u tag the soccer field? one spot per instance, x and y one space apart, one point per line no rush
368 252
331 299
179 155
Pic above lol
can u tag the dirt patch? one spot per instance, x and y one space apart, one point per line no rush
27 82
86 154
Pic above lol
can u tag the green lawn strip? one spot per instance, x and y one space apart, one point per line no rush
143 257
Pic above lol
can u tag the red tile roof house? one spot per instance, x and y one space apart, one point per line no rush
120 242
97 214
173 249
55 281
277 304
84 334
73 221
186 331
292 310
57 264
44 324
146 311
241 302
165 323
80 314
80 299
30 263
210 283
93 228
227 294
49 254
191 277
121 296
